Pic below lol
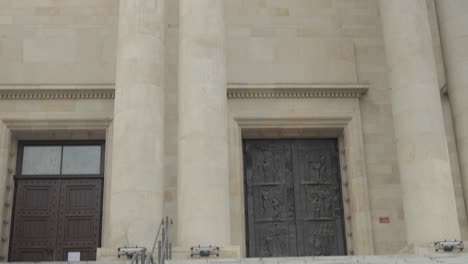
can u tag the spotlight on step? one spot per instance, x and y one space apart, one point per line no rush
133 253
449 245
204 251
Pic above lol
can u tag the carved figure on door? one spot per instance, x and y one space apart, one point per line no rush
267 247
275 204
320 240
277 236
265 199
270 200
268 165
317 170
328 204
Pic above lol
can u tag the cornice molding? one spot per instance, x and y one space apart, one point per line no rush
16 124
234 91
56 91
295 90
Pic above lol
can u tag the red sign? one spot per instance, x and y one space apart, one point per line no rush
384 219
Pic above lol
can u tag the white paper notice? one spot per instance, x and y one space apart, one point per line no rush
73 256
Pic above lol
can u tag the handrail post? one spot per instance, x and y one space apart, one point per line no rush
159 251
163 239
162 242
166 238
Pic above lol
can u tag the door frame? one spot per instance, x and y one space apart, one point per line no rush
356 205
304 114
18 176
53 127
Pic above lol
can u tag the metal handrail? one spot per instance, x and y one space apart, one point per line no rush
139 254
164 245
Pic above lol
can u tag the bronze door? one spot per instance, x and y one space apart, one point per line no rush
293 198
319 214
270 198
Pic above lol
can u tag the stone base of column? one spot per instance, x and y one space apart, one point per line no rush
108 254
180 253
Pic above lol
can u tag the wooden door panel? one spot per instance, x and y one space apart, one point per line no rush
53 217
35 220
33 255
79 225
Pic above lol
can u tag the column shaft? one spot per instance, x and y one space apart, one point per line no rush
136 199
453 21
203 182
428 194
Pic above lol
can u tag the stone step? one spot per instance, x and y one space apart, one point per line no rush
395 259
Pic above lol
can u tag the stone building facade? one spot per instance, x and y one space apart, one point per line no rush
175 99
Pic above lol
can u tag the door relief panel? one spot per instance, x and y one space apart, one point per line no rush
294 204
270 199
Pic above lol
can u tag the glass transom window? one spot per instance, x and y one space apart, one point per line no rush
62 159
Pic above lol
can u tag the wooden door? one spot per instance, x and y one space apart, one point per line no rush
35 220
79 218
54 217
58 201
293 198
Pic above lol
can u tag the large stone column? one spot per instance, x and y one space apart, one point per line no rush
136 193
426 180
203 182
453 21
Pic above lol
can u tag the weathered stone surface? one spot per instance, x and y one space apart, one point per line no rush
454 37
73 45
423 160
203 172
136 189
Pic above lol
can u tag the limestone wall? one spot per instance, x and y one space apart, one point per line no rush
57 41
327 42
318 41
282 41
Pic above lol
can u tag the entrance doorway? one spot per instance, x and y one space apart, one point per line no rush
293 198
58 201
